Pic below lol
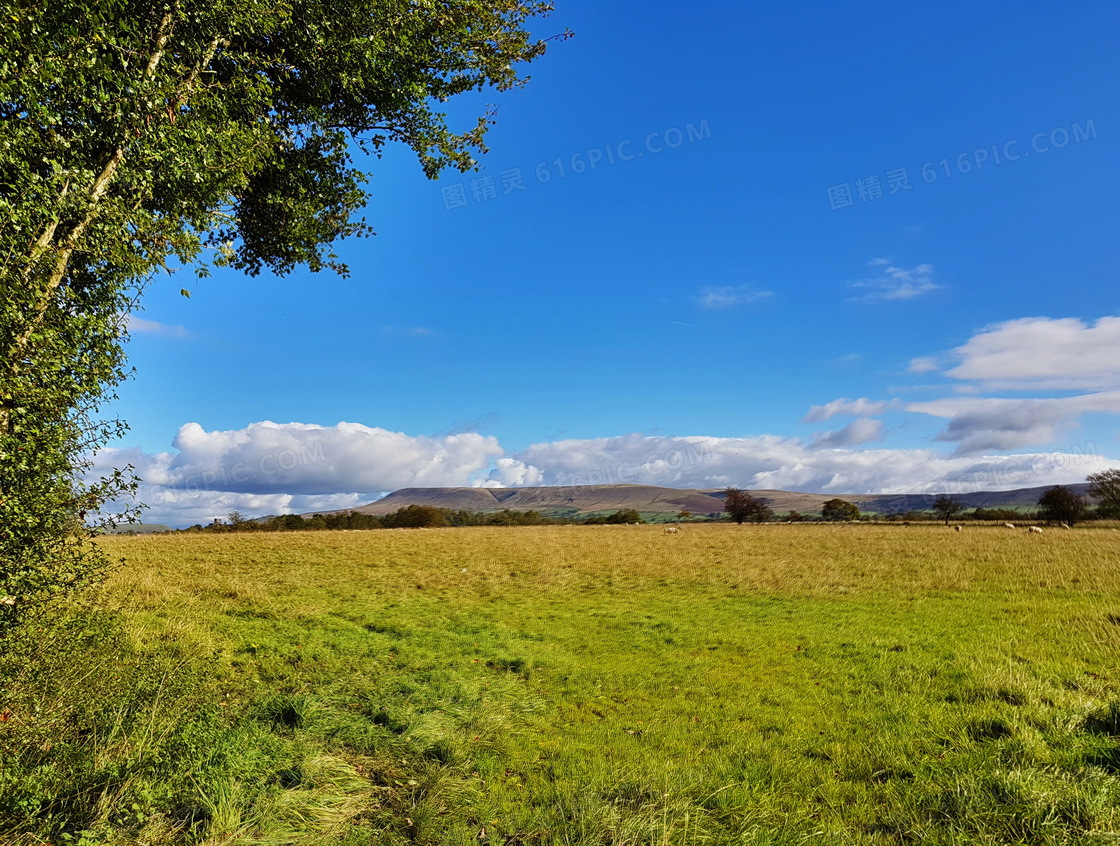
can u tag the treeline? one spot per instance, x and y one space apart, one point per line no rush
409 517
1001 515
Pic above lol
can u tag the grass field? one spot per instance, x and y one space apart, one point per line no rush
579 685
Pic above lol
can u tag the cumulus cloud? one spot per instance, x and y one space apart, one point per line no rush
772 462
511 473
976 424
857 432
894 283
728 296
862 407
275 467
1042 353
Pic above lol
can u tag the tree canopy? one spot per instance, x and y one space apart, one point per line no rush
136 136
1105 487
1061 505
839 510
742 506
946 507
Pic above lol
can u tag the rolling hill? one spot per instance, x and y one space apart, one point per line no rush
590 499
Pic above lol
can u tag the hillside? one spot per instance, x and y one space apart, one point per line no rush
586 499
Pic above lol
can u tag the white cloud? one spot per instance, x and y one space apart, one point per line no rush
511 473
728 296
862 407
269 467
1042 353
857 432
894 283
140 326
977 425
408 331
771 462
923 365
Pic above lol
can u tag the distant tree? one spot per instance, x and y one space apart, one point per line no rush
795 517
627 515
837 510
946 507
1061 505
1105 486
1002 515
289 522
742 506
415 517
684 515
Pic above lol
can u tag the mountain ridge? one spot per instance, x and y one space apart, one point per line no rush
585 499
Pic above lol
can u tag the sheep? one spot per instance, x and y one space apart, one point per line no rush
956 528
1064 525
672 530
1034 530
1009 525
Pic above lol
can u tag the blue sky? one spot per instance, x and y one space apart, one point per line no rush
831 247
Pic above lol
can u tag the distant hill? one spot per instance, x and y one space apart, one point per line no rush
138 529
589 499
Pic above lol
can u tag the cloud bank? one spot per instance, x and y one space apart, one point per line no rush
270 468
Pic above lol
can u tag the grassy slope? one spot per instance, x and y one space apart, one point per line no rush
600 685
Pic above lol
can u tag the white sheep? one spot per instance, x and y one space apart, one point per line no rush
1034 530
672 530
1009 525
956 528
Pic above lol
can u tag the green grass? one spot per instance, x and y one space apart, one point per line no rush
578 685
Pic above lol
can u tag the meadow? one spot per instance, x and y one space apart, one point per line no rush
765 684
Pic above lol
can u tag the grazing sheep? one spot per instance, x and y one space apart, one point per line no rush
672 530
1034 530
1009 525
1064 525
956 528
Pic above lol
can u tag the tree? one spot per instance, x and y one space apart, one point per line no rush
1105 487
137 135
626 515
1061 505
946 507
839 510
742 506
